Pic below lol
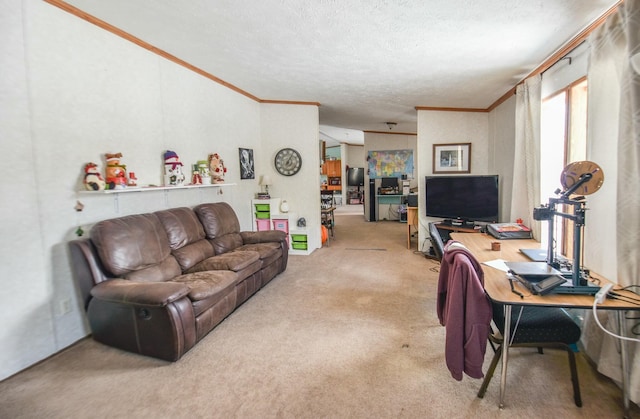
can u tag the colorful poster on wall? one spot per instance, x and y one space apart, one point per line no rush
390 163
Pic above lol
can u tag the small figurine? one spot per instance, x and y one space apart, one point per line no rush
116 172
173 175
217 168
133 180
196 177
93 180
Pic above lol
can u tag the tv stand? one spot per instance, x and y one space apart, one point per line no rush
458 225
444 229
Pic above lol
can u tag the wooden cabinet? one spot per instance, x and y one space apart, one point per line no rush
333 168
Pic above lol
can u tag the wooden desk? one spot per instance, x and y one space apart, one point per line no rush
412 221
498 289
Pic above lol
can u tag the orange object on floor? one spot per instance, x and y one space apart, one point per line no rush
325 234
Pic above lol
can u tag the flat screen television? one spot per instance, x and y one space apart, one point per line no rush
389 182
355 176
465 198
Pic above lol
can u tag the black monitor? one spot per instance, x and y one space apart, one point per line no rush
389 182
355 176
467 198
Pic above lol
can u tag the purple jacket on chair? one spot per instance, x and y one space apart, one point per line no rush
465 311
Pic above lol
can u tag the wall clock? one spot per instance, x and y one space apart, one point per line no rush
288 162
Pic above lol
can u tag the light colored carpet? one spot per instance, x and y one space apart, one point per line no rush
347 332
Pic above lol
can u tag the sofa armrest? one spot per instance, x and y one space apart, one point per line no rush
252 237
151 294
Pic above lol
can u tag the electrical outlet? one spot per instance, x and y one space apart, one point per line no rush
65 306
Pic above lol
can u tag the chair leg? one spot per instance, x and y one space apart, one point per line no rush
490 371
574 378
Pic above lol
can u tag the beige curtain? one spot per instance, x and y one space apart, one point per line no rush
614 106
526 169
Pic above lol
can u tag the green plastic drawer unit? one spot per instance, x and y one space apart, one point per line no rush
262 207
299 245
262 214
300 238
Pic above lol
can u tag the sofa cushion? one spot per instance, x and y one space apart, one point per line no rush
265 250
186 236
221 226
206 284
232 261
217 219
135 247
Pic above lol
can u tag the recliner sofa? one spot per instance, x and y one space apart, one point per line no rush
157 283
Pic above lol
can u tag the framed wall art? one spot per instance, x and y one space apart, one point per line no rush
247 170
452 158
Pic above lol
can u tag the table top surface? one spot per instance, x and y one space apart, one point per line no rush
497 284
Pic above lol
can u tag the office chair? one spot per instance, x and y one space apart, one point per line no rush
436 241
539 327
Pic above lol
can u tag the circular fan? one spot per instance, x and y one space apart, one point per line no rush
576 171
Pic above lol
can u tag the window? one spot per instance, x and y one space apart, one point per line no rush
563 139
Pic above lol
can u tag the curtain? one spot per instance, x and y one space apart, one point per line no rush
614 106
526 169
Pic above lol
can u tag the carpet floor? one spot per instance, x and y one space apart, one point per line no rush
349 331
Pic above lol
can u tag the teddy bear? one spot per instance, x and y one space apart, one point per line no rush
116 171
93 180
217 168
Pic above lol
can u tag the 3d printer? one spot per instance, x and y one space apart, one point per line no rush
583 178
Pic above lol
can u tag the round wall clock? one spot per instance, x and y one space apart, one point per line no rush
288 162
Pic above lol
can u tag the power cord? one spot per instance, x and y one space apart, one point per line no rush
599 299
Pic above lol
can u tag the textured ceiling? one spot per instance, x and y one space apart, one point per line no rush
365 61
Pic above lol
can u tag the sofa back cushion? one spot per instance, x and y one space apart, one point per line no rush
221 226
135 247
186 236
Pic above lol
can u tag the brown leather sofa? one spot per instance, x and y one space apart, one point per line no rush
157 283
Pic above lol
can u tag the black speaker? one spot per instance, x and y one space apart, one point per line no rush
372 200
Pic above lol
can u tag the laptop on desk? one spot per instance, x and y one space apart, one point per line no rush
541 278
536 255
538 277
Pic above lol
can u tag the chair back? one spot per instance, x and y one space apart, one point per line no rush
436 241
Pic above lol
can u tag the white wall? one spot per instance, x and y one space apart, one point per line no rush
442 127
296 127
71 92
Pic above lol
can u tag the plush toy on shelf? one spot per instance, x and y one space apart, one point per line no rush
173 175
116 171
93 180
217 168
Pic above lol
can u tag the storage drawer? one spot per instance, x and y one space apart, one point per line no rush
282 225
263 214
300 238
262 207
262 225
299 245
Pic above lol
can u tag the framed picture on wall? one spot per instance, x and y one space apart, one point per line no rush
247 170
452 158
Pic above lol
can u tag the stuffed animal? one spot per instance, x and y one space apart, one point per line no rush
173 175
116 171
217 168
93 180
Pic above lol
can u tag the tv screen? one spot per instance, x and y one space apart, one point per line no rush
467 198
389 182
355 176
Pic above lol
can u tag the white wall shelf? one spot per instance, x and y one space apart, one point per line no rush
166 189
154 188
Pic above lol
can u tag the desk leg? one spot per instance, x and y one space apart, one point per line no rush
624 359
505 352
